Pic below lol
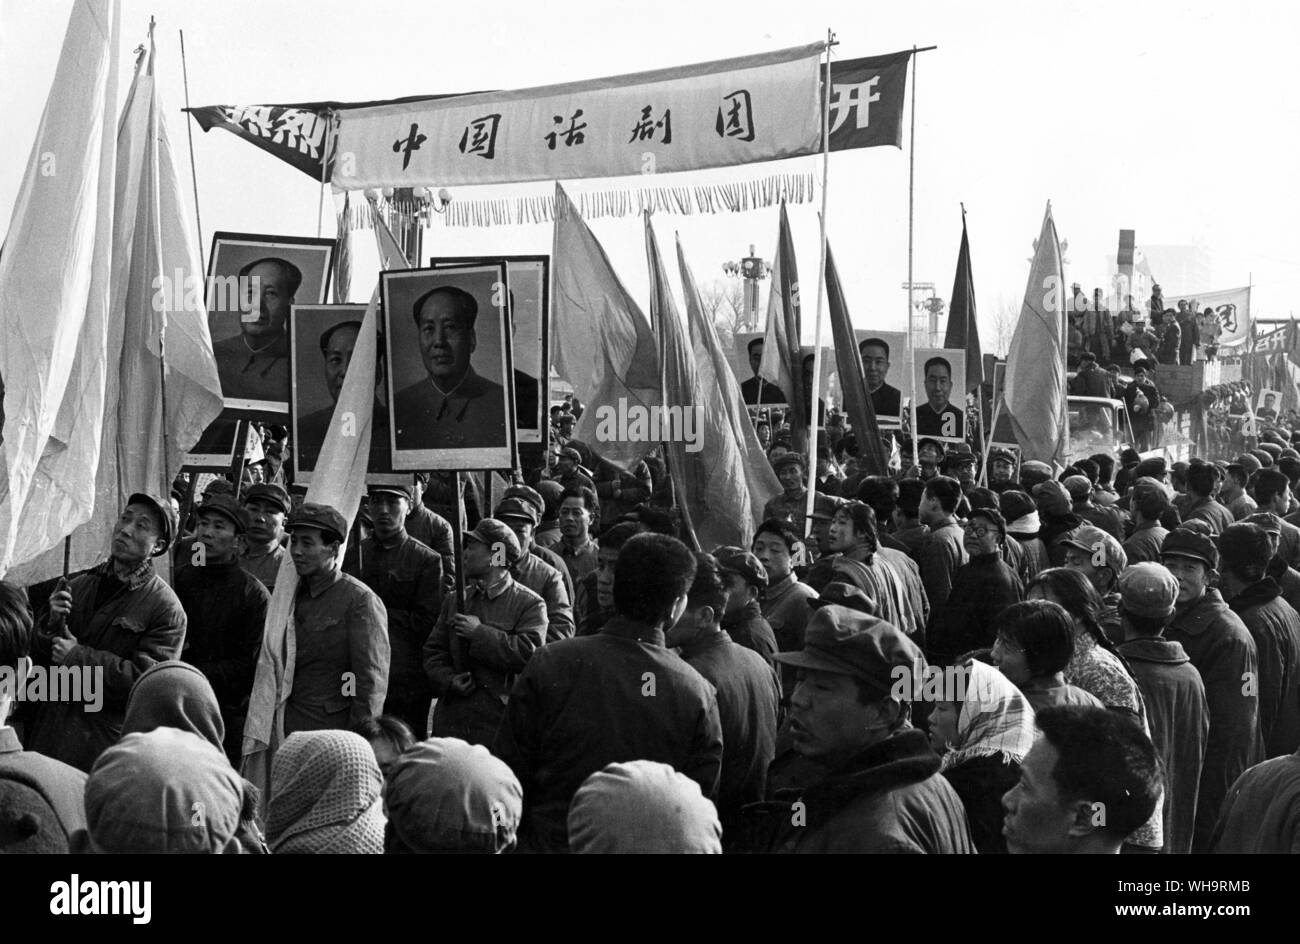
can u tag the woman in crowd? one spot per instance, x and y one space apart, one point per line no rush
1096 668
1034 645
982 740
325 795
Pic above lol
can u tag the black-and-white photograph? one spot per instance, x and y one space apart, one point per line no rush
253 282
447 335
374 483
528 280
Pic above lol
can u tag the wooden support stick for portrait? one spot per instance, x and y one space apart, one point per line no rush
458 546
241 455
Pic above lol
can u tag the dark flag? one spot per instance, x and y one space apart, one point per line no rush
782 362
853 385
963 329
866 101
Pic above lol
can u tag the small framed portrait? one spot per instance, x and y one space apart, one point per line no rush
321 341
451 374
887 385
940 382
215 450
747 355
253 283
528 281
1269 406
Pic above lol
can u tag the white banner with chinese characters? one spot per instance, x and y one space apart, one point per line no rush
1231 309
734 111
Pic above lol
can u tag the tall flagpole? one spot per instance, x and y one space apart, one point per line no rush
815 395
324 168
189 131
911 216
155 211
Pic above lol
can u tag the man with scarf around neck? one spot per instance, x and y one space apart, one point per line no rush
748 693
880 790
581 704
1054 511
474 654
1244 550
118 620
406 574
1023 526
1225 654
225 612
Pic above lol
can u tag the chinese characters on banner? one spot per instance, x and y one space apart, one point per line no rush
723 113
737 111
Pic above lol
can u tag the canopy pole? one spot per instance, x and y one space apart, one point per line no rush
911 219
815 392
324 172
189 132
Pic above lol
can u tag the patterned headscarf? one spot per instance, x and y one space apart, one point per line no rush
995 719
325 795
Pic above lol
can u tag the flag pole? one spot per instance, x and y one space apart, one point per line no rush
324 168
815 391
155 210
189 132
911 218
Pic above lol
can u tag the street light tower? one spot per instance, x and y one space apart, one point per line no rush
753 270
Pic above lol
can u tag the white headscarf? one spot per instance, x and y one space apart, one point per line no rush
995 719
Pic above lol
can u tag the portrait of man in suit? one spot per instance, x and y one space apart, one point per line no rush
453 406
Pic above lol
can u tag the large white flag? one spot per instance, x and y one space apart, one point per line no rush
55 296
1035 381
157 295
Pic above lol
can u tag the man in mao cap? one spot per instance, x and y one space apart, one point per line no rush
881 791
1223 651
407 576
119 619
474 654
1172 690
225 610
745 579
340 675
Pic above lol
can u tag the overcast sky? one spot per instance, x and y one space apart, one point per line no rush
1176 120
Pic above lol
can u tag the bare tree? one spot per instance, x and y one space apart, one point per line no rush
1003 320
724 302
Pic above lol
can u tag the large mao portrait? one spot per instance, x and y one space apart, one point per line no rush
528 284
940 402
321 341
884 369
450 377
253 282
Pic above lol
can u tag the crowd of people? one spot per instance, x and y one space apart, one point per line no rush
943 659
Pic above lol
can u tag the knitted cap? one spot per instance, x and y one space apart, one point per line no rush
325 795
